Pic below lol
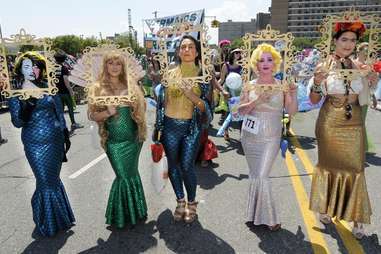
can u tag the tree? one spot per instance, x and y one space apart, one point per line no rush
237 43
71 44
89 42
129 41
304 42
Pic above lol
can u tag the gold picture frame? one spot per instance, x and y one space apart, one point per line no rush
92 60
162 55
27 40
351 15
266 35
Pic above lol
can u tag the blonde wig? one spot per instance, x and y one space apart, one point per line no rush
103 88
265 48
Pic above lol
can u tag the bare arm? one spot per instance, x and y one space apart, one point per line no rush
187 90
320 76
101 116
67 84
223 74
290 100
245 106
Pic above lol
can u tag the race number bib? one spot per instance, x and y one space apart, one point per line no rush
251 124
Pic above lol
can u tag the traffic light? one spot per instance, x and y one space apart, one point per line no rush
215 23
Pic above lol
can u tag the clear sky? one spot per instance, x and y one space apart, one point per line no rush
90 17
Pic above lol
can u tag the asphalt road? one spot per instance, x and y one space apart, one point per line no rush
222 193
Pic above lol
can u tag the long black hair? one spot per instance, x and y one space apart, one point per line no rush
197 60
340 33
231 56
38 60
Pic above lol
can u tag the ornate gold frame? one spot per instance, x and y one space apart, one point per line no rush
326 40
162 56
268 34
22 38
88 56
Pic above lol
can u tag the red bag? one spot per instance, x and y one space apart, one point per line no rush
157 151
377 66
209 152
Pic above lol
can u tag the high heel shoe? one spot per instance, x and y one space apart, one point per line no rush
275 227
358 231
179 212
191 212
325 219
226 136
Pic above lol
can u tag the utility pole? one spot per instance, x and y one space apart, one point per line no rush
130 27
155 14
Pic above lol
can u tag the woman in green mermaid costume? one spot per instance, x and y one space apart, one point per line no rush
122 130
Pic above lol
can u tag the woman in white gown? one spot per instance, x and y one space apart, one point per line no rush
261 133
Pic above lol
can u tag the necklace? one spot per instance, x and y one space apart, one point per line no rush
188 71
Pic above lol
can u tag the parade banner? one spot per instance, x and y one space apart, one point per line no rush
154 26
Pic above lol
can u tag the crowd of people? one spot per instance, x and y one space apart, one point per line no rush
183 116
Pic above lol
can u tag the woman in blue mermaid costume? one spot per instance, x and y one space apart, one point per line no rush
122 130
178 119
44 136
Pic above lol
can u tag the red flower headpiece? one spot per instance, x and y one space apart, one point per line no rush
357 27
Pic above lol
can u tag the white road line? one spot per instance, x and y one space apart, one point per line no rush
89 165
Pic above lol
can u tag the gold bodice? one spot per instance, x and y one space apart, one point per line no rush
177 104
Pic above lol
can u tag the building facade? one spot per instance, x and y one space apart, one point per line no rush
232 30
303 17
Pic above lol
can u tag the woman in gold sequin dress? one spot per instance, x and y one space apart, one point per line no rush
338 184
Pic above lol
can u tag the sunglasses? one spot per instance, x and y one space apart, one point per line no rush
237 52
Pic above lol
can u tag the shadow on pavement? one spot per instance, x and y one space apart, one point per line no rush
370 243
182 238
232 144
208 178
307 143
372 159
50 245
284 241
128 240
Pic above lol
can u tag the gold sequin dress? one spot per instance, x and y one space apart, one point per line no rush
338 184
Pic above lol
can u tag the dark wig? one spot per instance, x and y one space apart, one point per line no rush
340 33
231 56
37 60
198 48
60 56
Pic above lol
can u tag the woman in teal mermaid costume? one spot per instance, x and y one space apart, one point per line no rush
44 136
122 130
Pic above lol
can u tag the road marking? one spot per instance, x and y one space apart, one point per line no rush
318 243
342 227
88 166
